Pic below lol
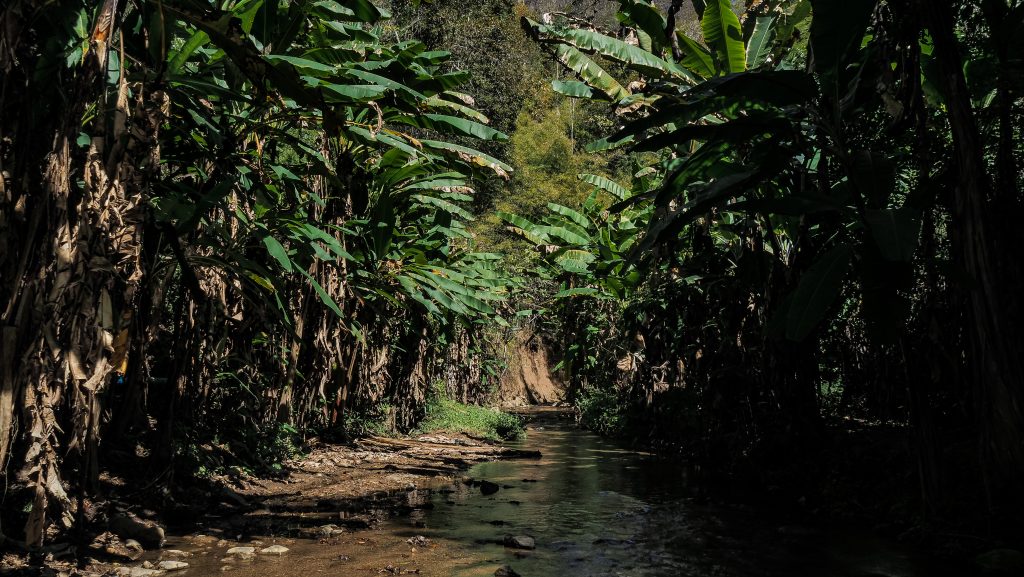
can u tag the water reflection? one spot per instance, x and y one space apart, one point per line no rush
598 510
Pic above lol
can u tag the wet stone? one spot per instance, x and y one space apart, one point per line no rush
505 571
274 550
241 557
489 488
172 565
520 542
242 551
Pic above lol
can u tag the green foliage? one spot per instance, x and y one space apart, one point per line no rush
545 161
722 34
603 411
445 415
592 42
406 243
484 40
377 420
732 140
783 206
544 153
249 448
587 249
817 291
288 236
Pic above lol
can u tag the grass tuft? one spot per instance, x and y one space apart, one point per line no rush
444 414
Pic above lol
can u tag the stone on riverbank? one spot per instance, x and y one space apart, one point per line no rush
128 526
175 554
172 565
418 540
274 550
129 549
329 530
138 572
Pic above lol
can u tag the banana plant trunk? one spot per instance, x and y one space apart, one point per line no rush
67 323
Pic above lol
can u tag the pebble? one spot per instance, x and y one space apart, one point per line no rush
419 540
274 550
172 565
330 530
242 551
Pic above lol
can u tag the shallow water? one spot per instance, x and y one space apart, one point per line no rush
594 509
598 510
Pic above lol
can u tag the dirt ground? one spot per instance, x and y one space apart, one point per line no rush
373 468
334 492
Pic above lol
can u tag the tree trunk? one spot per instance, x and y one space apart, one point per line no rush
78 281
995 358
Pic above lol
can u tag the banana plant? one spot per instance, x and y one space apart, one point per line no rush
588 248
736 138
268 184
413 245
372 98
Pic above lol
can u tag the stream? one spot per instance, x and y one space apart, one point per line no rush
598 510
593 509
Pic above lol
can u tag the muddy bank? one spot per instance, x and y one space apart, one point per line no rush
337 476
327 495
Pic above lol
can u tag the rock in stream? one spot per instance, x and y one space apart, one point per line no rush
520 542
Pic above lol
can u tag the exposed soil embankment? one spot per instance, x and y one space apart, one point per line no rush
529 379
